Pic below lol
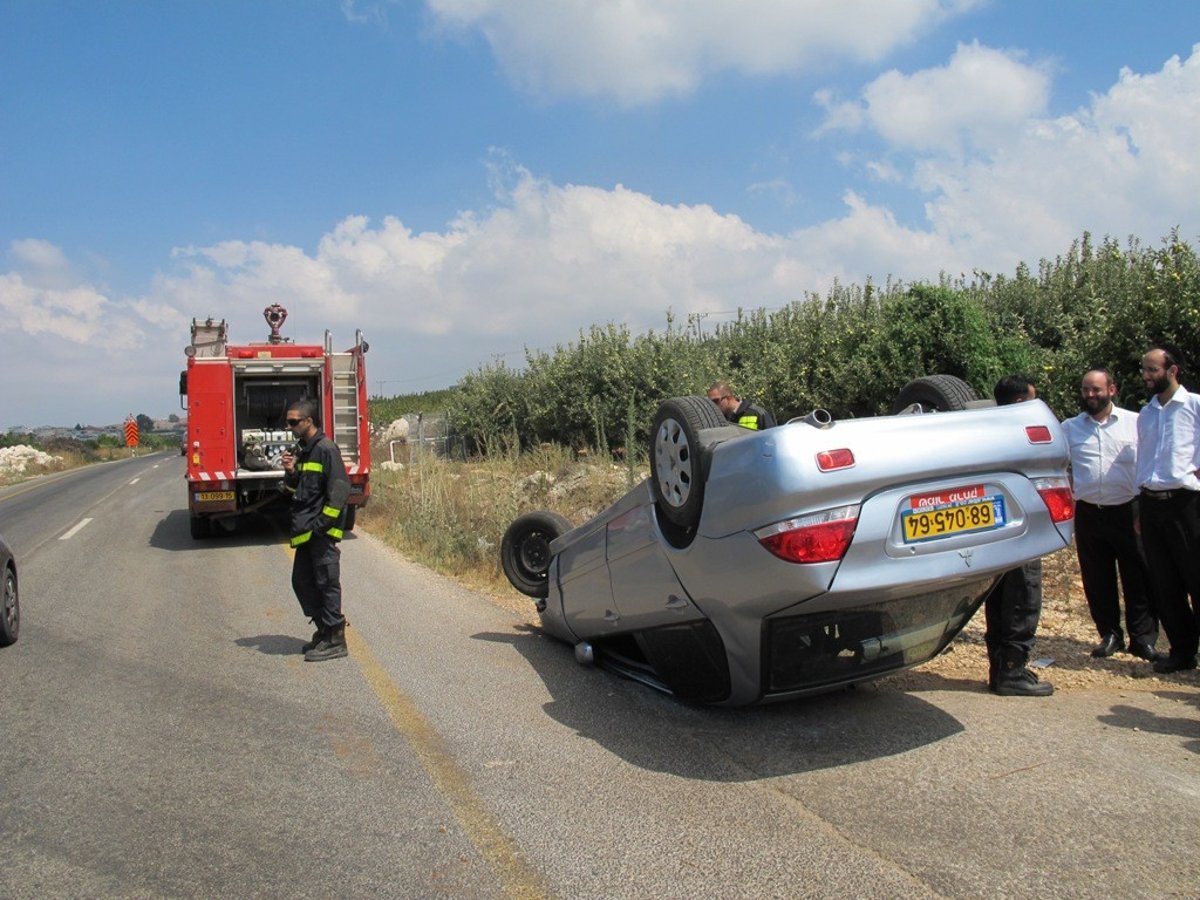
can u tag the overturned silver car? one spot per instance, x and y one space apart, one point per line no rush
762 565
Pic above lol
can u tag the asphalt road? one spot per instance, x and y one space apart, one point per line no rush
160 735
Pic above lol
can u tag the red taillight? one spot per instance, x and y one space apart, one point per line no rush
829 460
1056 494
821 537
1038 434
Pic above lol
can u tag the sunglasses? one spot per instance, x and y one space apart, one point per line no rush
292 423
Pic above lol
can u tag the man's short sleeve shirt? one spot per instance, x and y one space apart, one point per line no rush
1104 457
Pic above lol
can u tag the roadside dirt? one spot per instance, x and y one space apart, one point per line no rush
1065 636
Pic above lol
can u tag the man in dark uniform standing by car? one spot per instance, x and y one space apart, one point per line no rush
320 488
1014 606
739 412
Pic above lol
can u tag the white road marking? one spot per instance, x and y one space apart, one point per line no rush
136 480
75 530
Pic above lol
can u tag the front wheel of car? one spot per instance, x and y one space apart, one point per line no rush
525 551
678 476
935 393
10 612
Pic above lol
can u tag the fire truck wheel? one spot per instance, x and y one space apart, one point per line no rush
351 515
201 527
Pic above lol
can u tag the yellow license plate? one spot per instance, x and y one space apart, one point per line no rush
960 511
205 496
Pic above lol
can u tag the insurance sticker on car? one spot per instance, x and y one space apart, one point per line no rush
955 511
204 496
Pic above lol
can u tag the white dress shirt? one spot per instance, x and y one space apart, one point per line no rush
1169 443
1103 457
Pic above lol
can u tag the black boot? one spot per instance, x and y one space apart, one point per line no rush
1014 679
316 638
331 646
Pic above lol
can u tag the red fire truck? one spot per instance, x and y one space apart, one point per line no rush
237 397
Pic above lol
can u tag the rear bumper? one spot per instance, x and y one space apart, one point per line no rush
815 651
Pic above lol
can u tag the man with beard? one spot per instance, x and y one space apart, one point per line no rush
1103 445
1168 463
1013 608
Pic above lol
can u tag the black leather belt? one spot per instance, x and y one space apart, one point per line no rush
1102 505
1164 495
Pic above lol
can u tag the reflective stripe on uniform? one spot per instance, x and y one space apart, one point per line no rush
331 512
749 422
335 533
311 467
301 539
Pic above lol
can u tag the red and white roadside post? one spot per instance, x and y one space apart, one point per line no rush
131 434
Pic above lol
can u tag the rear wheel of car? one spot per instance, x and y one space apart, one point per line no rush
10 610
525 551
201 527
935 393
678 477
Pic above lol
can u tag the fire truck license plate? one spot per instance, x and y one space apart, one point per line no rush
203 496
947 513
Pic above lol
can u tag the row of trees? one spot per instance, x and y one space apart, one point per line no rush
851 350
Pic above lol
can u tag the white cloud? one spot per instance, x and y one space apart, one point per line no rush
1124 165
548 260
639 51
1003 183
979 97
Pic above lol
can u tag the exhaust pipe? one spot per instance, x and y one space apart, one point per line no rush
818 418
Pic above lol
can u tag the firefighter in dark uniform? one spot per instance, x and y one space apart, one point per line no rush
317 479
739 412
1013 608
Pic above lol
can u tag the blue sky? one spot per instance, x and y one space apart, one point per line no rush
462 179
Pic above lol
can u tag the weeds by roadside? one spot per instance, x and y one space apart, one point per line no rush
451 515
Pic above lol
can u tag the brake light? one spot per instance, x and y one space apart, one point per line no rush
1056 494
829 460
820 537
1038 434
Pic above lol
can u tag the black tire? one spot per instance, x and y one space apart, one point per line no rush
937 393
525 551
351 518
676 461
201 527
10 608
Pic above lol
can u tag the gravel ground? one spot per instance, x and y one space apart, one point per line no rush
1065 637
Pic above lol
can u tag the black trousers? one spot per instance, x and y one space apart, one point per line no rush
1106 543
1012 610
317 580
1171 538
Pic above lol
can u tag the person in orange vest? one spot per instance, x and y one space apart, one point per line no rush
739 412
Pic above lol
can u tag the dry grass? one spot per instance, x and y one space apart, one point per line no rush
451 516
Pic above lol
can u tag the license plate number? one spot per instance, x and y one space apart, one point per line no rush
205 496
962 512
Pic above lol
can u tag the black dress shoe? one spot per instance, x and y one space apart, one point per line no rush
1173 663
1142 650
1111 644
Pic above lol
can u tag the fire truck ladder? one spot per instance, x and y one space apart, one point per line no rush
345 406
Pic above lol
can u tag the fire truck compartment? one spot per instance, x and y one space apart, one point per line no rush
260 412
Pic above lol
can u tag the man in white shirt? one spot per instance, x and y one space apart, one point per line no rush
1168 466
1103 444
